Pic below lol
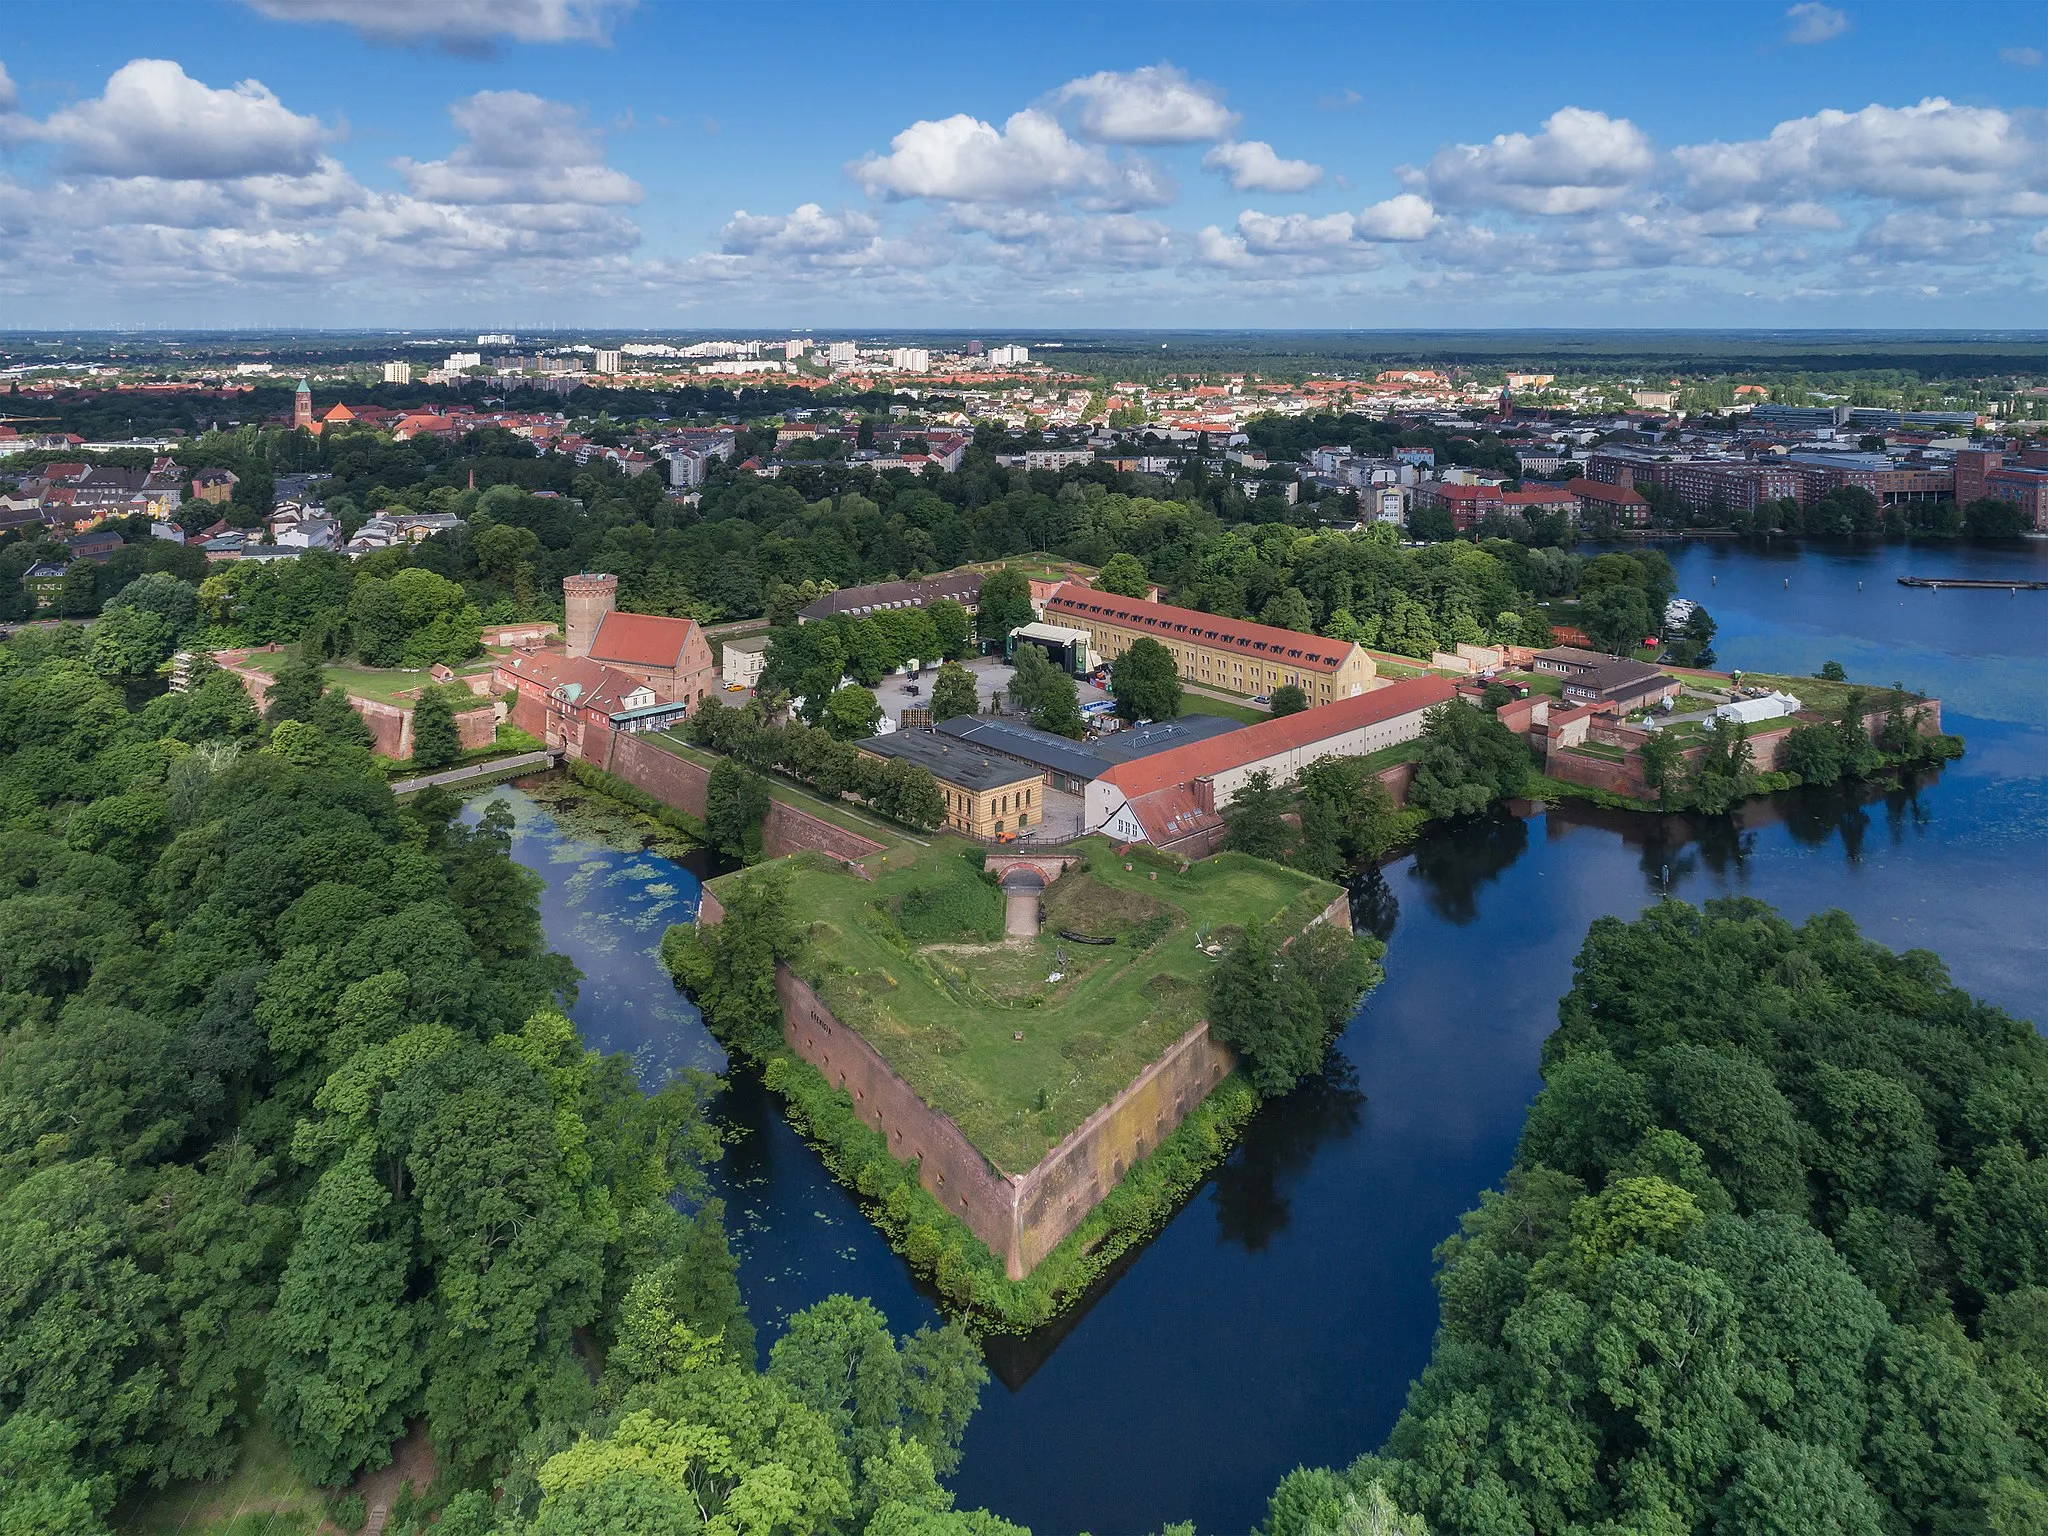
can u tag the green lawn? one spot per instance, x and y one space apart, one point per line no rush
1203 704
382 684
1538 682
1819 694
947 1012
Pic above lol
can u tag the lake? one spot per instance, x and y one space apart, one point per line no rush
1280 1317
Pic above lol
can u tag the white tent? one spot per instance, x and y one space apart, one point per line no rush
1772 706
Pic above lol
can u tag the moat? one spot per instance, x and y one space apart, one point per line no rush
1280 1317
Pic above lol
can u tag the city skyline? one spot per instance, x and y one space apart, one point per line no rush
597 162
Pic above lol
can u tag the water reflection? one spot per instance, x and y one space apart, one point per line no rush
1251 1191
1453 862
1375 909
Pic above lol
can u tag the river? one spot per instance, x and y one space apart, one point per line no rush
1280 1317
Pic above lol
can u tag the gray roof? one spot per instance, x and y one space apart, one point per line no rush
1028 744
1161 735
953 762
963 587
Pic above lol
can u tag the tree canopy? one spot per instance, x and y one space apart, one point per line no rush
1770 1257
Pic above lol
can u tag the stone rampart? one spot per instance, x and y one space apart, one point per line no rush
684 784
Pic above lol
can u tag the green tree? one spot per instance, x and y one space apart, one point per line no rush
130 642
1254 821
1289 610
851 713
729 967
1468 760
954 693
1046 692
1124 575
1003 605
951 627
1289 699
1145 683
1724 771
1985 518
735 801
1618 619
1831 671
435 741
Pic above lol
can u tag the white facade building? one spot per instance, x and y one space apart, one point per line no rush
606 361
398 373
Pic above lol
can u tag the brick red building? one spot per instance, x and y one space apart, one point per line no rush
560 697
2021 479
1624 502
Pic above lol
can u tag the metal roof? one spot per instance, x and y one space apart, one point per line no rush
1162 735
1027 744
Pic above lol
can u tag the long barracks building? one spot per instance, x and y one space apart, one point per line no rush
1229 655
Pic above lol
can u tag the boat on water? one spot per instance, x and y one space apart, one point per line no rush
1937 582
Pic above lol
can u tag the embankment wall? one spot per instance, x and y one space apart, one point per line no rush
684 784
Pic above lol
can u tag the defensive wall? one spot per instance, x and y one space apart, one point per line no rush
1021 1217
1567 728
680 782
390 725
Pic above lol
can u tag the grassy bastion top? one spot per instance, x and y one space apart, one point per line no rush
1018 1041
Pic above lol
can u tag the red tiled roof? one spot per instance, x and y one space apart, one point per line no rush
1539 496
640 639
1452 491
586 684
1614 495
1314 653
1198 759
1168 815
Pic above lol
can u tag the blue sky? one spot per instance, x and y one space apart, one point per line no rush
601 162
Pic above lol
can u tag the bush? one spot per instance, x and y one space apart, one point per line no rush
967 906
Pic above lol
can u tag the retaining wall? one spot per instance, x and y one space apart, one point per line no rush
684 784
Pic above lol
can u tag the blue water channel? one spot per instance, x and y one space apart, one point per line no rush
1280 1317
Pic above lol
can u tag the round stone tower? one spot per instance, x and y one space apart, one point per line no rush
586 599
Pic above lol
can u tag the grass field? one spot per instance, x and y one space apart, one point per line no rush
946 1010
1820 694
1230 709
382 684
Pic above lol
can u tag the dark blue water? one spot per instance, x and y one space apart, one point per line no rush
1279 1319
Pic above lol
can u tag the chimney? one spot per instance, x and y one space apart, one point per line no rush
586 599
1205 794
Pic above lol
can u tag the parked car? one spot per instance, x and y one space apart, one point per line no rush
1262 698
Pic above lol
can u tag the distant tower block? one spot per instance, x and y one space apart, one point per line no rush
586 599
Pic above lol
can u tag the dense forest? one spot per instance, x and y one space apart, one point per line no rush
1770 1259
294 1133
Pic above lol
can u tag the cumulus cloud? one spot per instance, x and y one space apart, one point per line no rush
1582 161
2023 58
1917 234
1813 22
1404 217
10 98
965 160
461 25
1154 105
520 148
1253 167
153 119
1932 152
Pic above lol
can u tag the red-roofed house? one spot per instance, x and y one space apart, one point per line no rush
1467 504
1230 655
1624 502
671 655
559 696
1532 500
1175 799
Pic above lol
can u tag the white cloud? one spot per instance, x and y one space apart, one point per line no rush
520 148
10 98
2023 58
1813 22
1154 105
810 230
1917 234
1294 233
2039 244
153 119
1932 152
1253 167
965 160
1580 162
1403 217
462 25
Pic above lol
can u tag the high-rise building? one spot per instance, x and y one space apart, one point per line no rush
910 359
398 373
496 339
842 354
457 361
1008 357
792 349
607 361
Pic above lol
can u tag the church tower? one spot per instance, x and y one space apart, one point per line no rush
302 405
